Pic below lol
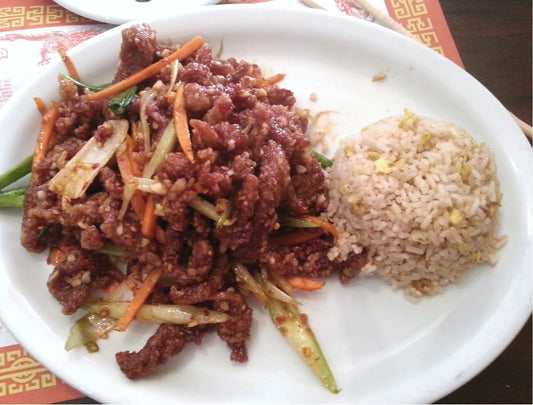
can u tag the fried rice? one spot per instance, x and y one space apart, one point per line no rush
421 196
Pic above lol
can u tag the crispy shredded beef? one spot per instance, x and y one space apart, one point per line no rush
137 50
235 332
168 341
72 279
251 155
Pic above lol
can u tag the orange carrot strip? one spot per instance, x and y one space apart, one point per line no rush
125 167
180 54
139 299
46 135
306 284
325 225
135 169
71 69
149 221
40 105
137 200
181 124
138 204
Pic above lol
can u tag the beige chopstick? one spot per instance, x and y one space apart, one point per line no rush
389 22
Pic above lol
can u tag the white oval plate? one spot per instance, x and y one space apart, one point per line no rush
381 347
123 11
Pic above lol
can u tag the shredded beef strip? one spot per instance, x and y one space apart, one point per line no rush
235 332
168 341
72 279
137 50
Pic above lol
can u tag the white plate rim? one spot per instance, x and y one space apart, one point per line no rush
519 304
122 11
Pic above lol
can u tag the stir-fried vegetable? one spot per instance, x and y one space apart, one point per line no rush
177 314
309 221
248 283
181 124
77 82
180 54
45 138
297 222
18 171
292 324
13 198
73 180
119 103
149 185
144 127
323 160
88 329
149 219
163 148
71 68
305 284
218 213
139 299
272 290
174 70
102 319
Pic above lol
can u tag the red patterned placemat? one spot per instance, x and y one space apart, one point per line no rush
17 14
425 20
24 380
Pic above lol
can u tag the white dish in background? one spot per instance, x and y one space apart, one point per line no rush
123 11
381 347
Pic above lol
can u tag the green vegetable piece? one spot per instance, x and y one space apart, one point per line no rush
114 250
272 290
323 160
292 324
122 101
295 328
177 314
87 330
92 347
44 231
20 170
165 146
248 283
292 222
119 103
85 85
13 198
219 213
227 208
